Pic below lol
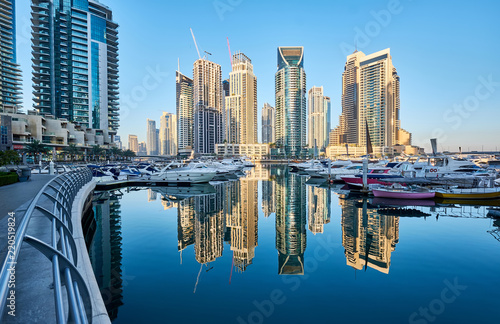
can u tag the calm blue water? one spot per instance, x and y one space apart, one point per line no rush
270 248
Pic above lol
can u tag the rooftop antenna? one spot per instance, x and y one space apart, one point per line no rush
178 65
194 39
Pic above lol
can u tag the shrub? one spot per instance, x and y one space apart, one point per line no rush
7 178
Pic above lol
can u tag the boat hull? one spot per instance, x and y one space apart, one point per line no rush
176 177
400 194
469 195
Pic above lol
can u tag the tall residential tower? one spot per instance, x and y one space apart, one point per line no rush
207 104
290 90
268 124
10 81
319 119
184 110
75 63
241 104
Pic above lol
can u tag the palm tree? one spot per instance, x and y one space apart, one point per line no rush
36 148
96 151
115 152
128 154
71 150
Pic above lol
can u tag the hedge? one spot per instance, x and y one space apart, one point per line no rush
7 178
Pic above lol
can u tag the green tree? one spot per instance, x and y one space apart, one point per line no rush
71 150
36 148
9 157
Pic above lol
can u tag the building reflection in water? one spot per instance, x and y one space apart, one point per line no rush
290 222
242 222
368 237
269 193
318 206
105 251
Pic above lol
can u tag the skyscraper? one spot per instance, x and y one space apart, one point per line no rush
207 103
290 90
133 144
10 81
184 110
268 124
151 138
370 100
168 134
75 63
241 104
319 118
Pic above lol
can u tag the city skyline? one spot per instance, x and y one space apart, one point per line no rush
445 107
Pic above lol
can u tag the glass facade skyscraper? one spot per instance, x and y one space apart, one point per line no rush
184 110
290 90
10 81
75 63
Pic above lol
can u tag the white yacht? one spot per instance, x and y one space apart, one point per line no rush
193 173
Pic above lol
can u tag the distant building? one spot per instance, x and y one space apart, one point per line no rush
142 150
151 138
118 142
184 110
268 124
253 151
133 144
11 78
168 134
241 104
75 63
290 90
207 101
318 119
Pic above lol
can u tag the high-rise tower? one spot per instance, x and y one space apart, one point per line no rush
75 63
207 103
319 118
10 81
268 124
184 110
241 104
290 90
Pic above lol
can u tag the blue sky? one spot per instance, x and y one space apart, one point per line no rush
446 53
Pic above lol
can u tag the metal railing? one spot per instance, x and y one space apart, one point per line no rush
59 195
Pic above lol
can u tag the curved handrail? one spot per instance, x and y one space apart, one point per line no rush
62 252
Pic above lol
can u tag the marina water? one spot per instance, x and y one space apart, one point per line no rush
273 248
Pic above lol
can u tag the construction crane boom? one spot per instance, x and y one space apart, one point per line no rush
194 39
230 56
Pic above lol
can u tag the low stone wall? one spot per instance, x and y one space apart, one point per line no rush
99 313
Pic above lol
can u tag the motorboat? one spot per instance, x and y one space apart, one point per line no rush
469 193
192 173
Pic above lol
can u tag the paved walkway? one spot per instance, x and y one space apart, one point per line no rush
14 195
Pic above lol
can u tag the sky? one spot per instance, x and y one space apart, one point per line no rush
445 52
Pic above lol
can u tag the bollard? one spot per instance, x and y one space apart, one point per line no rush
51 167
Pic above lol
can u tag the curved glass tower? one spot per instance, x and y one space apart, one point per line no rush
290 89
